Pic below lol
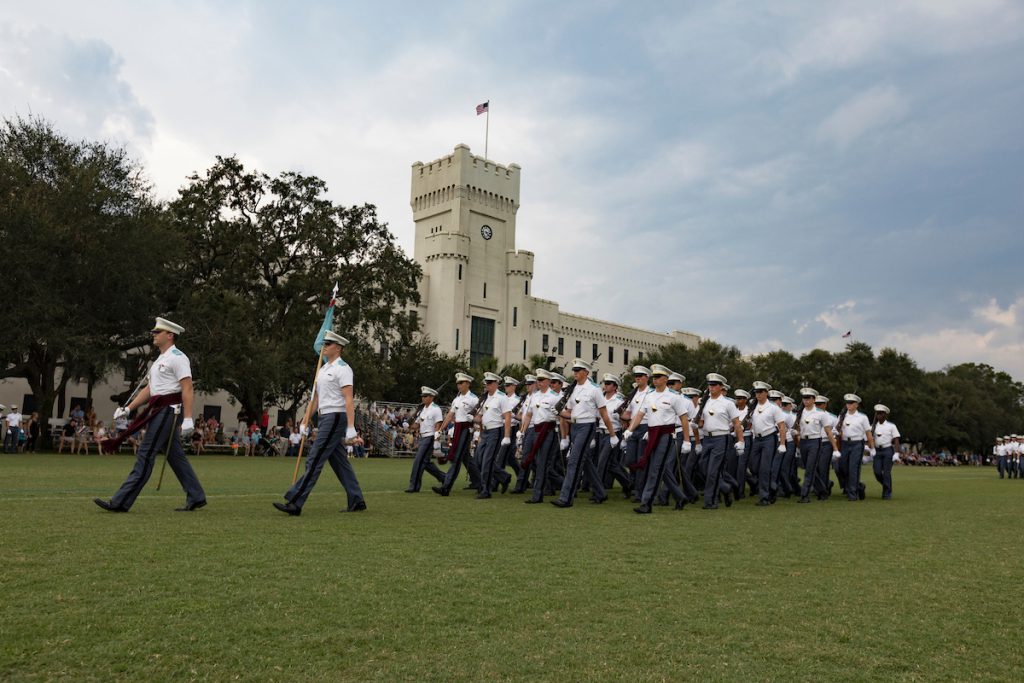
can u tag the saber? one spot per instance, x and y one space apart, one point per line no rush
170 440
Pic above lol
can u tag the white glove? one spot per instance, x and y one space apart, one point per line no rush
686 447
740 447
593 443
437 445
188 425
895 457
698 448
626 435
563 444
122 411
782 448
871 452
613 441
505 441
304 429
646 434
350 433
519 438
437 436
836 455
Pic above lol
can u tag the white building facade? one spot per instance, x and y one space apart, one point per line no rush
476 291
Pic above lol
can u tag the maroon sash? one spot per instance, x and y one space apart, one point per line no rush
453 452
653 435
540 434
155 404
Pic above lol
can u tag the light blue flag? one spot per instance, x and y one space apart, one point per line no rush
328 324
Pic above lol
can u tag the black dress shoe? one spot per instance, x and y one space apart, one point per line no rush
356 507
862 492
804 499
561 504
191 508
642 509
680 504
598 501
107 505
288 508
727 496
710 506
504 484
764 502
533 501
439 490
483 495
412 490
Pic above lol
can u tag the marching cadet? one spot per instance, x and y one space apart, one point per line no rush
821 402
664 410
507 454
788 482
720 421
496 425
813 429
999 450
737 461
170 385
462 411
429 420
691 466
632 445
586 405
609 458
675 472
854 427
524 439
556 465
541 415
333 397
1013 455
887 444
768 425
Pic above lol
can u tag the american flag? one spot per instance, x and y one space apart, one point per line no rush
848 333
481 108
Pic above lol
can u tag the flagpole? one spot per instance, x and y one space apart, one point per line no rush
487 129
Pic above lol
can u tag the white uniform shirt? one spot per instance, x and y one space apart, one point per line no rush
542 405
812 423
790 417
743 416
329 381
167 371
885 432
586 403
637 403
612 404
463 405
855 427
513 401
719 414
13 419
766 418
428 419
495 407
525 408
663 408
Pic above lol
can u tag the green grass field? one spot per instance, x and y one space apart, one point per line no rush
923 587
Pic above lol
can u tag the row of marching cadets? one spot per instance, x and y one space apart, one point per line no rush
1009 455
662 442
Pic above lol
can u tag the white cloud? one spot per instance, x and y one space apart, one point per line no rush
871 109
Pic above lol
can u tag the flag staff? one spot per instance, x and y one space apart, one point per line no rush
487 129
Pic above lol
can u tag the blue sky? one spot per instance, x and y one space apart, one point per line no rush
766 177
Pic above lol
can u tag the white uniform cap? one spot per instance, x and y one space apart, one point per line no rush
658 369
726 387
580 364
741 393
555 377
542 374
774 394
821 399
762 386
641 370
167 326
463 377
14 407
676 377
999 438
491 377
530 379
511 380
851 397
336 338
787 399
879 408
609 377
808 392
689 391
427 391
715 377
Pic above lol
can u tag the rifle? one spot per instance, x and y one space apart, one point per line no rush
796 421
566 395
700 408
625 404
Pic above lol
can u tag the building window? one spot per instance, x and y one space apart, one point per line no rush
544 343
485 290
611 354
527 289
625 356
524 349
214 412
579 349
481 340
515 315
595 352
561 346
639 356
456 339
460 271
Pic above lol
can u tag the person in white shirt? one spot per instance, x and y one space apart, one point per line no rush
675 475
999 450
525 435
633 445
853 428
691 465
428 422
887 445
461 414
609 459
815 431
825 464
545 444
170 385
495 418
13 432
507 453
784 480
720 425
585 408
736 462
333 397
768 431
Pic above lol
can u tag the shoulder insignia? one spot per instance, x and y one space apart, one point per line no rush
176 352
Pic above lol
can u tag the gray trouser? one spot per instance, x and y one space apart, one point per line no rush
547 451
329 447
423 462
675 474
166 425
852 454
524 473
462 456
656 470
506 458
812 451
824 462
634 448
609 465
1001 465
11 437
691 467
717 480
762 452
883 470
488 451
581 459
788 481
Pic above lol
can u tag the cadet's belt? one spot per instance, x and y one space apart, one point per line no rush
810 438
654 435
330 410
584 420
491 429
153 407
718 432
853 440
774 431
